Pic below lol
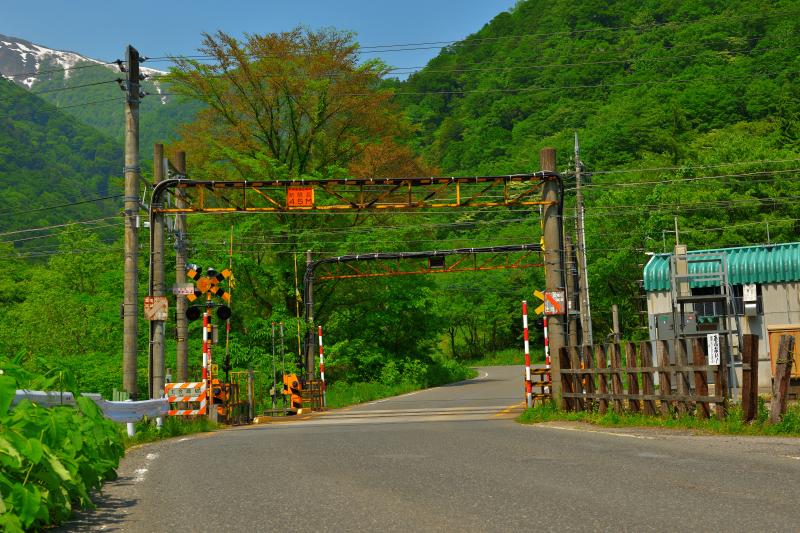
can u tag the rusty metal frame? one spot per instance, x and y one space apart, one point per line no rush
354 194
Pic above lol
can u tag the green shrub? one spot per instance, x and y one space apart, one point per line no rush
51 458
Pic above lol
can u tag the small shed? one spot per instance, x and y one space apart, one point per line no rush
764 283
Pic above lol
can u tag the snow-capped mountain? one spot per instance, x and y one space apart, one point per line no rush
22 61
84 87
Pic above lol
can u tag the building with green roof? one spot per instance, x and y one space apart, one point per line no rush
764 283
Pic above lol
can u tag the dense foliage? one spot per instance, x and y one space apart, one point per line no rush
51 458
48 159
704 92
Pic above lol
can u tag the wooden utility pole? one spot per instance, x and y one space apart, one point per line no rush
583 273
553 260
783 372
157 288
181 322
130 303
615 322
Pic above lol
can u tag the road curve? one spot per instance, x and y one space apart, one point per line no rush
451 459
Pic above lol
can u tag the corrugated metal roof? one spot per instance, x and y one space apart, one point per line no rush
747 264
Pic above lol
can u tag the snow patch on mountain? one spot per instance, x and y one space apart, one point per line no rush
21 60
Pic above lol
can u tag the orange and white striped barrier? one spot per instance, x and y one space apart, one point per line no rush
185 393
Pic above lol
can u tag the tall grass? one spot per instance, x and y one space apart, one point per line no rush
731 425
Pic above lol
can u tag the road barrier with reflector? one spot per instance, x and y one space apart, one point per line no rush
185 393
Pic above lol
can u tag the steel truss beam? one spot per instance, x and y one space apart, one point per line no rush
354 194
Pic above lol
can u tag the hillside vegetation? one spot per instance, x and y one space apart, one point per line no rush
704 94
48 159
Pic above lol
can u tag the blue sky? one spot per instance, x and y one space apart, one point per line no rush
102 29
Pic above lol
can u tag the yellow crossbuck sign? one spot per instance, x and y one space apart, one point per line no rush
539 310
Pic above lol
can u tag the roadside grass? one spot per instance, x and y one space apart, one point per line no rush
507 357
731 425
343 394
146 430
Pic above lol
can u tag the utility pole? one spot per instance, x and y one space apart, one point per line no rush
572 292
310 324
130 303
181 322
615 323
553 259
157 288
583 272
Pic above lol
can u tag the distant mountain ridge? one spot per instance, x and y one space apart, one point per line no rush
85 88
21 60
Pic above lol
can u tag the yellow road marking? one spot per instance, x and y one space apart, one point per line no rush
510 408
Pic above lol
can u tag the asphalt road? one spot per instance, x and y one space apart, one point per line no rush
452 459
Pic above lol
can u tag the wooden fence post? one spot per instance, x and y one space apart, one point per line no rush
633 377
700 379
648 384
783 371
577 385
682 377
566 379
749 377
616 378
602 388
664 378
589 364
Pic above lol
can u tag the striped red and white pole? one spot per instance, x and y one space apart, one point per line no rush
546 352
322 369
205 345
528 386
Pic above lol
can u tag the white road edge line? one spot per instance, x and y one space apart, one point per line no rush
140 473
612 433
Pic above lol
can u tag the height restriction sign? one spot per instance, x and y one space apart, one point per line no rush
299 196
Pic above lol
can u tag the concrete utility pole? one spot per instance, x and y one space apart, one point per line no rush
310 323
157 288
615 323
130 303
572 291
583 273
553 259
182 323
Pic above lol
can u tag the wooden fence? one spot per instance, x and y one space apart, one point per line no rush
622 377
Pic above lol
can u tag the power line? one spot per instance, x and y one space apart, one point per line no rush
401 47
623 184
55 107
72 87
38 73
45 228
59 206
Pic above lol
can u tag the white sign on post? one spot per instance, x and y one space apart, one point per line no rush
713 348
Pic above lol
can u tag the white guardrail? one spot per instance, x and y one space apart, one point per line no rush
127 411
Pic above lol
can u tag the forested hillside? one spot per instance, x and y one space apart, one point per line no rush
97 101
702 94
47 160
